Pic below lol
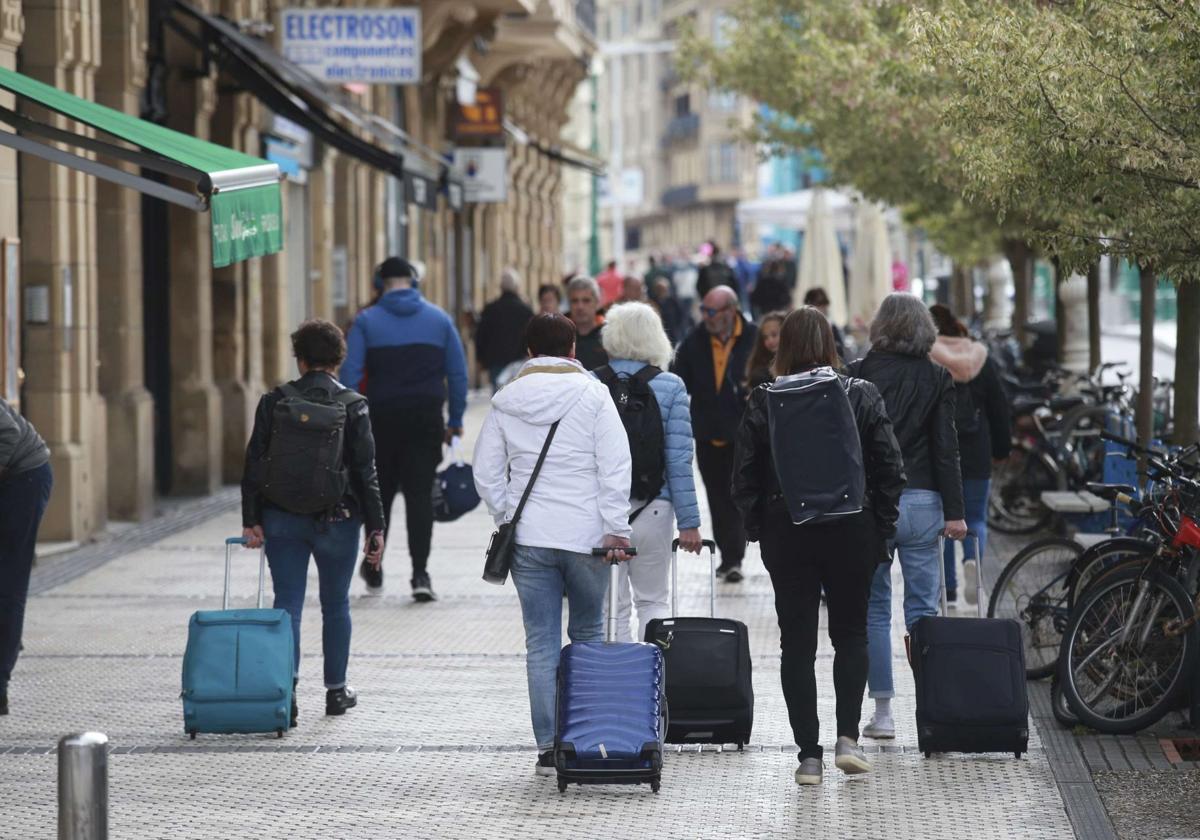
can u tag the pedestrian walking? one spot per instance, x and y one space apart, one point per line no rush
25 483
759 369
675 319
413 360
663 487
836 554
982 420
583 297
301 517
919 396
611 284
549 299
501 326
716 272
817 297
633 290
711 361
579 500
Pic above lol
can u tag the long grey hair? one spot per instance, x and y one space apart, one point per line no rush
903 325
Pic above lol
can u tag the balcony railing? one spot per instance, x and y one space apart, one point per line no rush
683 196
685 127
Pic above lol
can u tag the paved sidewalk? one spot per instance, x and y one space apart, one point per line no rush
440 745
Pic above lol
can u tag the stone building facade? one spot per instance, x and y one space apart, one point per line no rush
145 372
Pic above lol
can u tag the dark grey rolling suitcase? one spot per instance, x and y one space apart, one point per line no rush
710 694
970 677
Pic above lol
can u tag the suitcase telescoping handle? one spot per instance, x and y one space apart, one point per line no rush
712 577
262 569
614 578
969 538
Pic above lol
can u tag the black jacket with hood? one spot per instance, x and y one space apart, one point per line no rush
756 489
715 412
362 495
919 396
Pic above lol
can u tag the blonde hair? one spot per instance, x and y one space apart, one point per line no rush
635 331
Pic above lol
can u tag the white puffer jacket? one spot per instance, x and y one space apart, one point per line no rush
582 492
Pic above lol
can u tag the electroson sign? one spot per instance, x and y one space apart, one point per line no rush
375 46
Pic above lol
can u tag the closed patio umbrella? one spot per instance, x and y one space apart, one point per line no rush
871 268
821 260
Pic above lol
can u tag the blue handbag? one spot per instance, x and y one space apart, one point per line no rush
454 488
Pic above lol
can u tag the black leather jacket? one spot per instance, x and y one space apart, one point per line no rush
362 498
756 485
919 395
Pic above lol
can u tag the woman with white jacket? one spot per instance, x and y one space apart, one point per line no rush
580 500
634 338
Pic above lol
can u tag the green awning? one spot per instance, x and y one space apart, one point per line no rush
240 191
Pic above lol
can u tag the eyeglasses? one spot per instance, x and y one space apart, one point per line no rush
711 312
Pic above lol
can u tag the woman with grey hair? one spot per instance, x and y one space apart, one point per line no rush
639 351
919 396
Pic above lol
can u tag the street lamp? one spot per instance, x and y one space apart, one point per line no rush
610 50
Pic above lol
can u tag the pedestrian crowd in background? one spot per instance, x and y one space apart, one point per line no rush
602 400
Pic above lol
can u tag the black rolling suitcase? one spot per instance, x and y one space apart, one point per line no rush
710 695
970 676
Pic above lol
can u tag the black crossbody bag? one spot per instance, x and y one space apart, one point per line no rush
498 560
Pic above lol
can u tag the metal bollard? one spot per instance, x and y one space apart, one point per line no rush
83 787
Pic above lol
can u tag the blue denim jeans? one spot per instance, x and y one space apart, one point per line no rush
975 496
541 576
917 544
23 499
291 539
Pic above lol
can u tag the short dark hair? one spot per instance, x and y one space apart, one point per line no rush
805 341
550 288
549 334
946 323
395 268
816 297
319 344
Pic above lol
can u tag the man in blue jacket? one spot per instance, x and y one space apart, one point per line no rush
406 356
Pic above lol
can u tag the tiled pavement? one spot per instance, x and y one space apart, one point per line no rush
440 745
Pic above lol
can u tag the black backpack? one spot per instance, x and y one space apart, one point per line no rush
643 423
815 446
304 469
966 413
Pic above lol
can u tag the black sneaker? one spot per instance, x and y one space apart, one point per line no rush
372 576
4 702
422 588
952 597
338 700
734 575
545 764
723 570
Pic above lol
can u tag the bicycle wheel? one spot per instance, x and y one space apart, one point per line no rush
1015 502
1081 444
1120 672
1099 558
1058 704
1032 589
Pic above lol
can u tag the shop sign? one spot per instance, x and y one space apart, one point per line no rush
484 119
420 190
485 174
372 46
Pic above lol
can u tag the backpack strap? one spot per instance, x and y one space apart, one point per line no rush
349 397
647 373
606 374
290 390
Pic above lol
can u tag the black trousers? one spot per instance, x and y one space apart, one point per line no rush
716 468
23 500
408 449
839 556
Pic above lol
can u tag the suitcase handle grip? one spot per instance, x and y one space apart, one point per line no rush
235 541
711 545
980 608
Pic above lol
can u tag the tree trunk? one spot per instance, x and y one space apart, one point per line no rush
1145 401
1060 311
1093 288
1020 257
962 298
1187 364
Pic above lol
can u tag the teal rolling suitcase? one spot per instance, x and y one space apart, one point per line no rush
238 666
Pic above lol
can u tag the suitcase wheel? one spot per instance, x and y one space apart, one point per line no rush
192 734
562 785
928 753
741 746
1017 754
655 784
278 733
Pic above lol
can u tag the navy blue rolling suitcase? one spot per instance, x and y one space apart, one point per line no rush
611 710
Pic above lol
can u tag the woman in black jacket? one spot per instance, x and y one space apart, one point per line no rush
331 536
919 396
982 419
839 555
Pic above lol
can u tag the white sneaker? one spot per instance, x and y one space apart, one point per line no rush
880 728
809 772
970 581
850 758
